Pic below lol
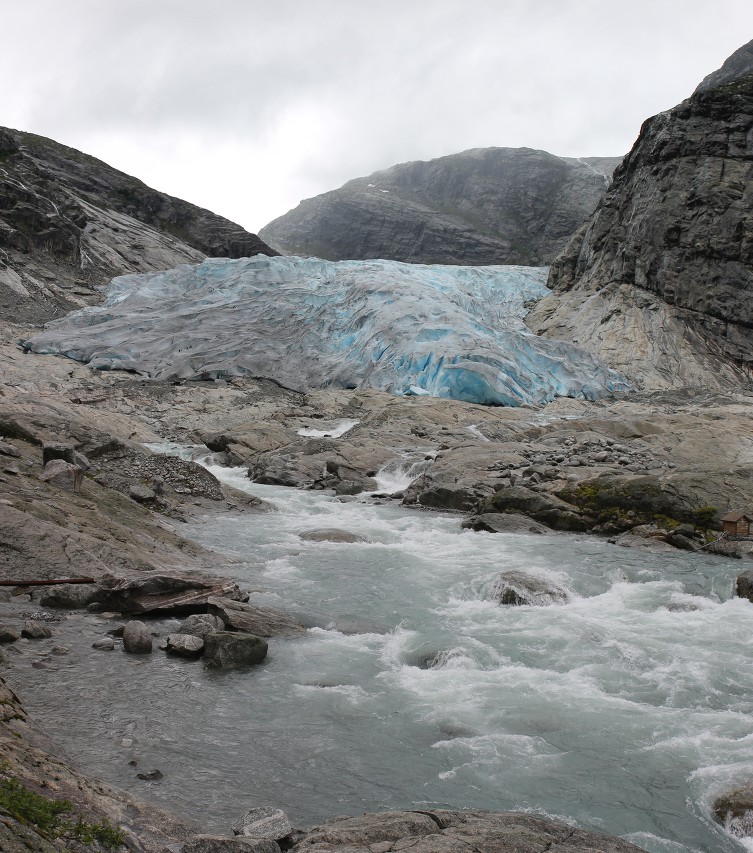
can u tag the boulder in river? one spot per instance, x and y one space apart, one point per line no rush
734 810
228 649
35 630
744 585
104 644
264 822
518 588
137 639
8 634
184 645
331 534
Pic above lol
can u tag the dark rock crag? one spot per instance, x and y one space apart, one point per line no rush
483 206
657 281
69 223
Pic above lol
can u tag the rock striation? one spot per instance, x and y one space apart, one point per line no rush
657 281
69 223
483 206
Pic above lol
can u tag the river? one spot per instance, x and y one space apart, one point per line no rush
624 710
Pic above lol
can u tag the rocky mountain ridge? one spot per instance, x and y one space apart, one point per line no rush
657 281
482 206
69 223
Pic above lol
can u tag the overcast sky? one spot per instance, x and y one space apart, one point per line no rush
246 107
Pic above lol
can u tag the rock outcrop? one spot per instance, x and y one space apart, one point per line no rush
483 206
69 223
445 831
657 281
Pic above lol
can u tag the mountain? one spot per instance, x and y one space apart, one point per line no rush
69 223
658 281
483 206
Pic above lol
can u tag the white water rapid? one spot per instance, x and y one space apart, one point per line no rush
625 710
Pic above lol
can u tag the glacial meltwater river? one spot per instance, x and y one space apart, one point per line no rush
625 710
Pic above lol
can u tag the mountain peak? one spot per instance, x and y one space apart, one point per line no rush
740 64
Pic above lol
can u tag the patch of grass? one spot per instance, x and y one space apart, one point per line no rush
54 818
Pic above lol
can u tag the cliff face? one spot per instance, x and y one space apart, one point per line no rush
658 281
69 223
484 206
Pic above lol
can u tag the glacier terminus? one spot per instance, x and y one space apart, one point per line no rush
446 331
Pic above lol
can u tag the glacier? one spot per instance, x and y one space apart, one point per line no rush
447 331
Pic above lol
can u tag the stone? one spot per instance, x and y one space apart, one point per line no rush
201 624
57 450
503 522
141 494
519 588
265 822
137 639
8 450
331 534
104 644
62 474
69 596
224 844
260 621
226 649
151 775
33 630
8 634
184 645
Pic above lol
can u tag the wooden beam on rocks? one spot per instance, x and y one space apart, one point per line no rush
47 583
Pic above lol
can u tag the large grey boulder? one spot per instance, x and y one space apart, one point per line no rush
263 822
544 508
137 639
744 585
9 634
226 649
261 621
444 831
503 522
517 588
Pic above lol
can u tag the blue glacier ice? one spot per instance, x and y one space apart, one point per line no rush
447 331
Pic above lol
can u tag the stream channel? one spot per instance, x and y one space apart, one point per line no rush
624 710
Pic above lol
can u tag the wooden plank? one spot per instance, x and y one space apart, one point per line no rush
47 583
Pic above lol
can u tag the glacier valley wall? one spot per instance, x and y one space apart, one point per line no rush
447 331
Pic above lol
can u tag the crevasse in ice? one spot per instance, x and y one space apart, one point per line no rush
448 331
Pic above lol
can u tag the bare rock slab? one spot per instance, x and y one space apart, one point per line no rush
502 522
264 822
164 594
444 831
260 621
227 649
225 844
